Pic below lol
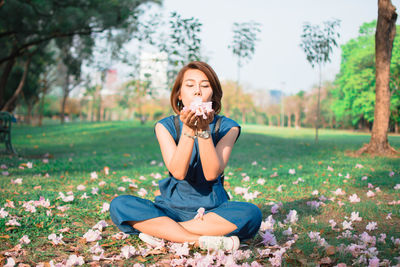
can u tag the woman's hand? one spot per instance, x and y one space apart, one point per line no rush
202 124
188 118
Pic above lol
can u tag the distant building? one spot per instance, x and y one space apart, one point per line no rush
153 67
275 97
265 98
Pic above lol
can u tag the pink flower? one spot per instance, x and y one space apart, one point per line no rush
364 178
66 198
100 225
74 260
279 189
180 249
3 166
347 225
142 192
374 262
268 239
355 217
371 226
370 193
354 198
25 240
268 224
201 108
240 190
17 181
121 188
29 165
91 235
292 171
102 183
13 222
391 174
396 187
95 190
359 166
314 193
332 223
81 187
120 236
128 251
93 176
330 169
389 216
382 238
84 196
274 209
200 213
3 213
291 217
107 170
339 192
96 249
56 239
254 163
9 204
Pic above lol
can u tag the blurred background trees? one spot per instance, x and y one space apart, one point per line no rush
117 61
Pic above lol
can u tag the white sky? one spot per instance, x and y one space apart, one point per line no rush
278 61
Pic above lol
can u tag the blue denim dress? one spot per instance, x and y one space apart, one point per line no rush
180 199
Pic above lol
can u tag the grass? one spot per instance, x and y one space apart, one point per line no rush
128 148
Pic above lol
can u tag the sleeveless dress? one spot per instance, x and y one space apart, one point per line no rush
180 199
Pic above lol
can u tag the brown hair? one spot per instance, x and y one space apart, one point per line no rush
177 105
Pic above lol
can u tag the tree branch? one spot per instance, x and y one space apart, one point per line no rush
19 51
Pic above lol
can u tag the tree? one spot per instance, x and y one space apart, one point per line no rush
244 44
355 84
384 37
317 43
183 43
46 20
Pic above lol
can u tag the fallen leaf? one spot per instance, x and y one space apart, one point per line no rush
330 250
326 260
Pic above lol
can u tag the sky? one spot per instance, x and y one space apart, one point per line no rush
278 62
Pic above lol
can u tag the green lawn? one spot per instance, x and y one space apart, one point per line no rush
130 150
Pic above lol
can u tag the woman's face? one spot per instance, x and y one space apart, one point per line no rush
195 84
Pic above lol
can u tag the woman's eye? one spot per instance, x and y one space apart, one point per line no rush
189 85
205 86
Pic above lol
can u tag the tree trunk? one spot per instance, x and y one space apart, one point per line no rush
4 79
65 96
384 36
41 105
297 120
29 113
10 103
289 123
396 127
318 103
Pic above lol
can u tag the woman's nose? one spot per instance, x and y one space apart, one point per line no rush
197 90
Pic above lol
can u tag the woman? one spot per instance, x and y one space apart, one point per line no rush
196 163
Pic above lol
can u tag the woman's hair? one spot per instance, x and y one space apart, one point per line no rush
177 104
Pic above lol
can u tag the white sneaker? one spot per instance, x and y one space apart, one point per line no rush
226 243
151 240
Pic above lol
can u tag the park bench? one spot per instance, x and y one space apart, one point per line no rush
5 131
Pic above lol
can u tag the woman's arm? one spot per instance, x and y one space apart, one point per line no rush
214 159
177 157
